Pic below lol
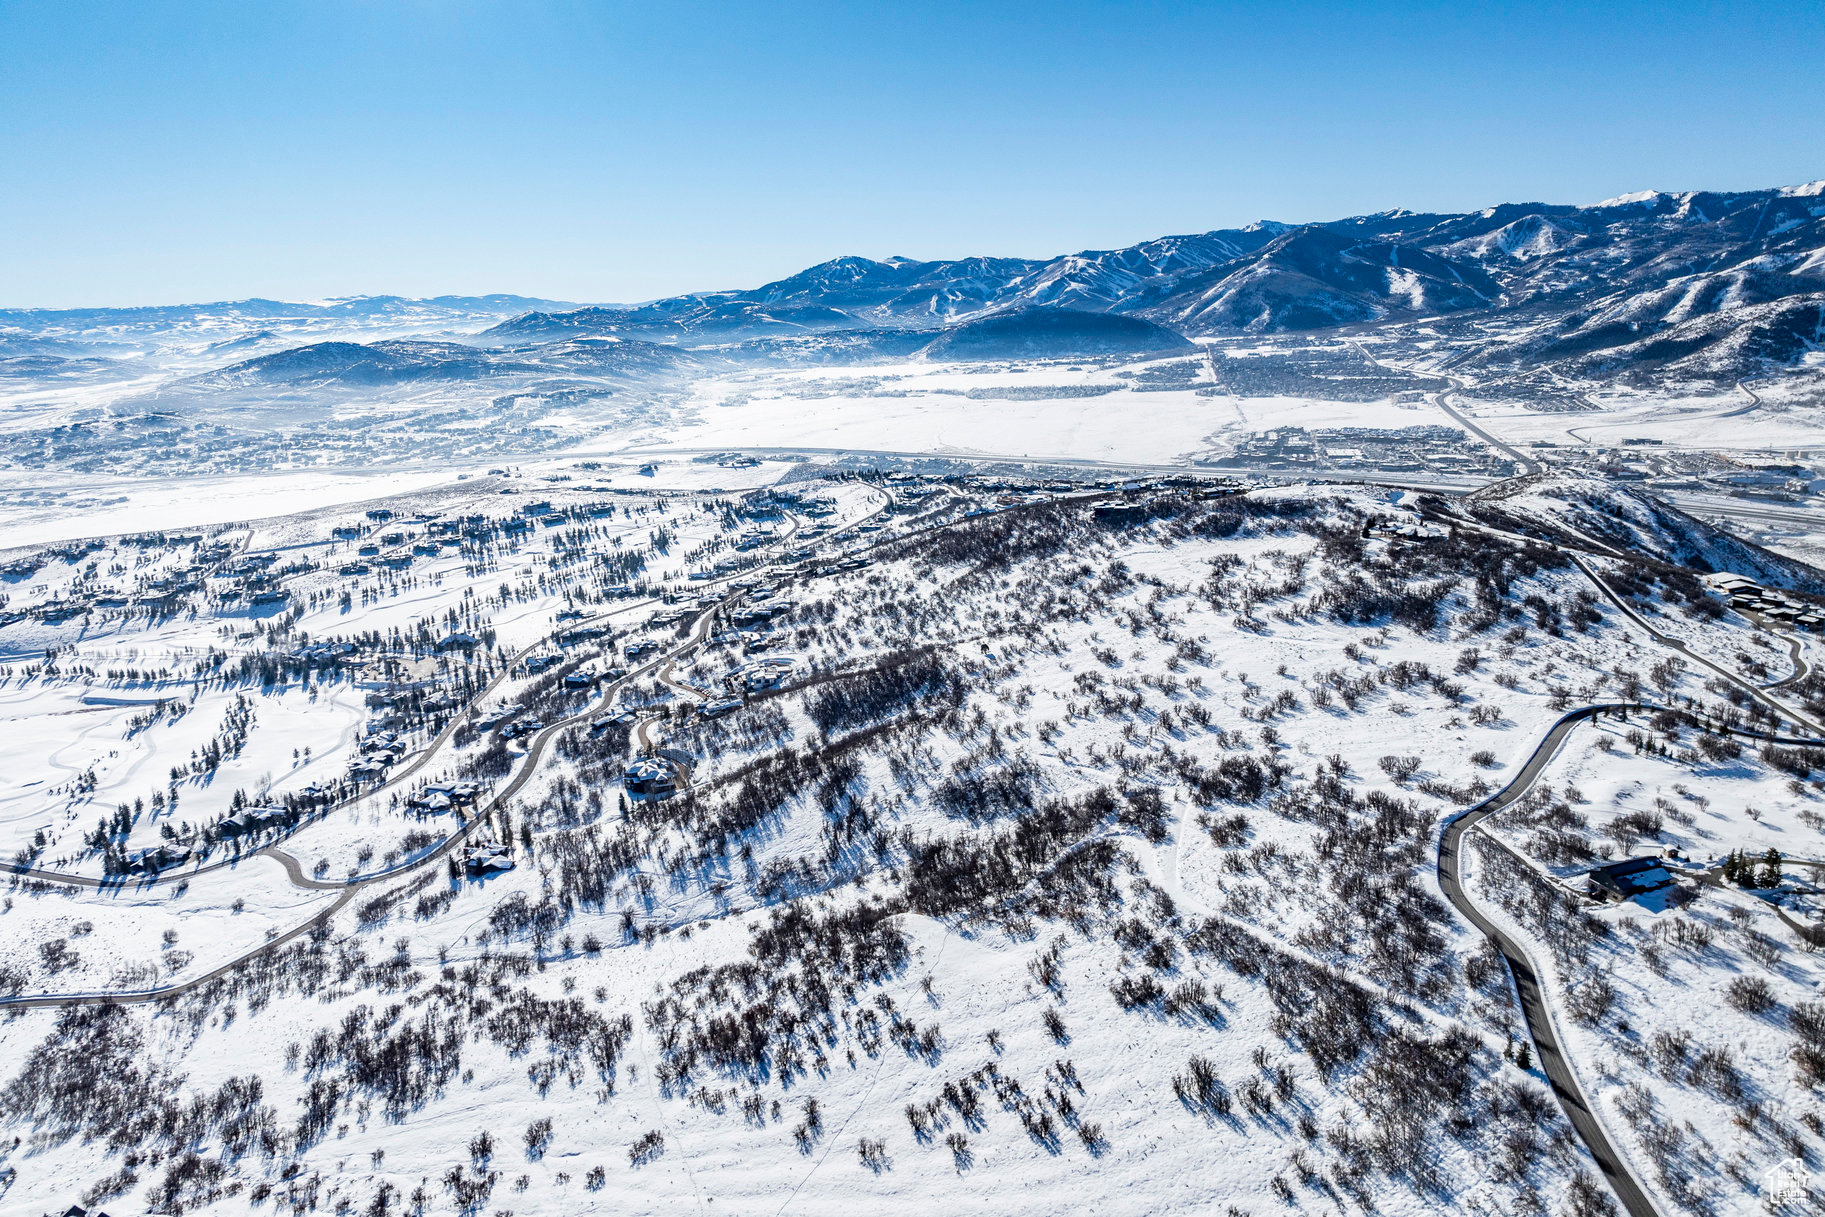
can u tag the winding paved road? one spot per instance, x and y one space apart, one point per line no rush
1527 978
1672 643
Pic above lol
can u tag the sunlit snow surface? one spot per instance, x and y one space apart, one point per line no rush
1043 683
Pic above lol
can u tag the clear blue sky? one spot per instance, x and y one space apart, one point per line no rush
157 152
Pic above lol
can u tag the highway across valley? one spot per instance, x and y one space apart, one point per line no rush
1693 503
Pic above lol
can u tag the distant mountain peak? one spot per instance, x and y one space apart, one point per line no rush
1635 198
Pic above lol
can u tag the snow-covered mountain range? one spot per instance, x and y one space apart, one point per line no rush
1709 283
1654 287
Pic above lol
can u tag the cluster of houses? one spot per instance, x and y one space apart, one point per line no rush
439 534
250 579
397 561
755 538
1782 608
322 654
756 615
726 566
396 701
858 562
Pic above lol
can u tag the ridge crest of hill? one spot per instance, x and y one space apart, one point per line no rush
1638 523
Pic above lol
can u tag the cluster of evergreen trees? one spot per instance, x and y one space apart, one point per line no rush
1740 869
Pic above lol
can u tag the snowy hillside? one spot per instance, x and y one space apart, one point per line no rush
756 835
1636 524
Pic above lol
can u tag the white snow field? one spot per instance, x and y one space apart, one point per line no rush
1034 847
1037 410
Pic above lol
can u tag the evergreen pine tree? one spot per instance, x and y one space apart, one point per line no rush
1523 1056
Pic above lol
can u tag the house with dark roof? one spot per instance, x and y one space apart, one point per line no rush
1629 878
162 857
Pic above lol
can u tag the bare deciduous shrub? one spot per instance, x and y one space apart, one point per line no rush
1226 832
1750 994
58 955
538 1137
1761 948
1588 1198
649 1146
1400 768
1669 1050
1808 1023
1200 1089
1590 1001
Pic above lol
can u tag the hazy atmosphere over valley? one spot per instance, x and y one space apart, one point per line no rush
575 681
